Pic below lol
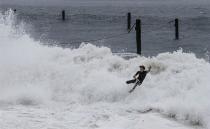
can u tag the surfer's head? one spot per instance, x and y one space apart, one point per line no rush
142 67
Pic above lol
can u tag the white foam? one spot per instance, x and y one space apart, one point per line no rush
178 85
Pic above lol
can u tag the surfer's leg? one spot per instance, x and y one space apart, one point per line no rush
137 84
131 81
133 88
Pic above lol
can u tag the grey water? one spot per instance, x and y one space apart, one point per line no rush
89 23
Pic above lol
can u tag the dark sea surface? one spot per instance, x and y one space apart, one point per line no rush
92 22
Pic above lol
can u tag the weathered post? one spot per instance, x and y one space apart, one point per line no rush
176 29
129 21
63 15
138 36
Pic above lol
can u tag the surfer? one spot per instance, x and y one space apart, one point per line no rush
139 77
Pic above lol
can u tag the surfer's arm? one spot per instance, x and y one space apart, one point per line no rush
149 69
135 75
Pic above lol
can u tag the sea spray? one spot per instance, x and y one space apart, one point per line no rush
32 74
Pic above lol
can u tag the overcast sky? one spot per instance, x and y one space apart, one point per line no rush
69 2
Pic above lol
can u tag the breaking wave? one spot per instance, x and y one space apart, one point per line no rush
31 73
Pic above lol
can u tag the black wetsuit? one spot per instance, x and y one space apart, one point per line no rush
141 77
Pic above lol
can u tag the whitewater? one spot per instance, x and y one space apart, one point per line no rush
43 87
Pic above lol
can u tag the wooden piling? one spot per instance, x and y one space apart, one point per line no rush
138 36
63 15
129 21
176 29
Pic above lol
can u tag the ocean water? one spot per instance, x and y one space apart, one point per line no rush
97 21
47 83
